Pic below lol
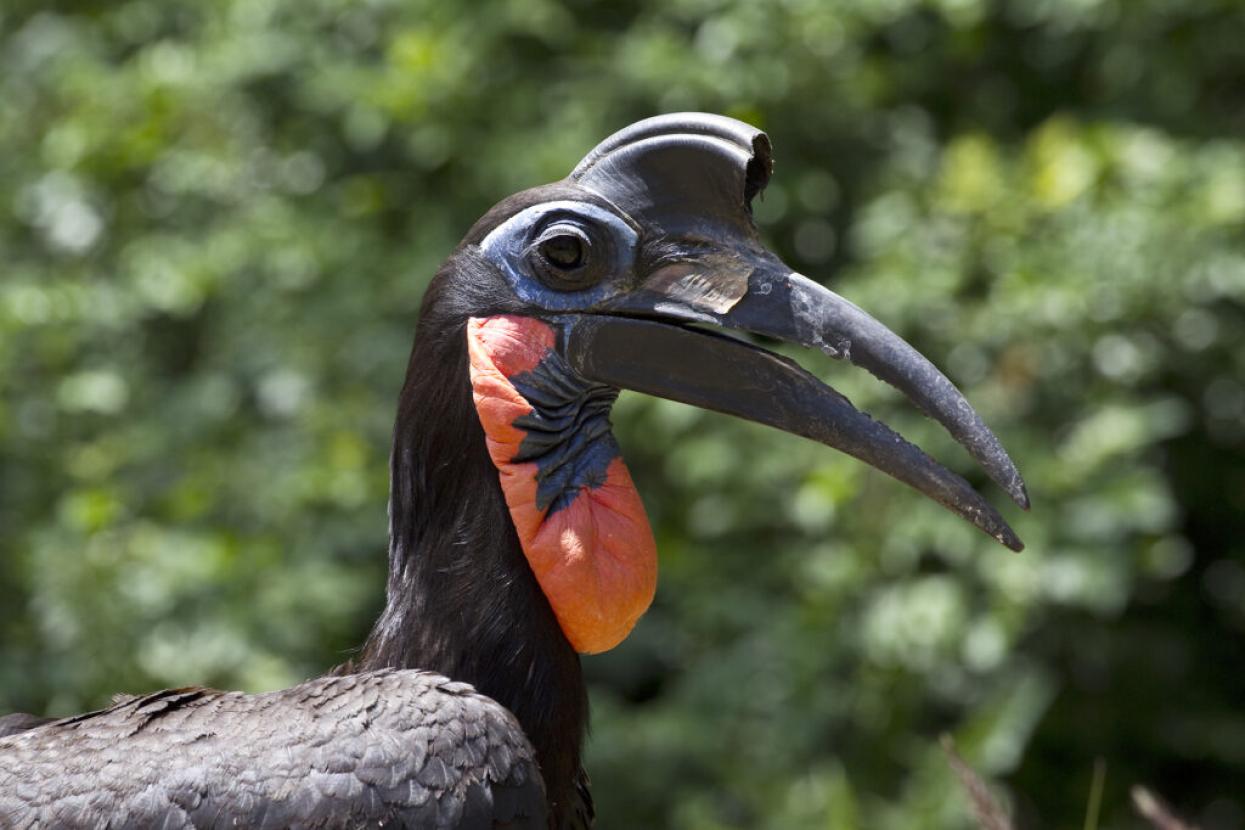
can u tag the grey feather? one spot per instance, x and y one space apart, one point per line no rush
393 748
19 722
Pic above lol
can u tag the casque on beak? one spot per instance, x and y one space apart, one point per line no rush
686 181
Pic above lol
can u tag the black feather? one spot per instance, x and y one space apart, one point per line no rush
376 741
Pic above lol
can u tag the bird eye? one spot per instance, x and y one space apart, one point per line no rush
565 257
564 251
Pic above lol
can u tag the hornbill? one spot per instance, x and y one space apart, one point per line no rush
517 538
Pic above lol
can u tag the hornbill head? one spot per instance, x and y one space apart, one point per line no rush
607 280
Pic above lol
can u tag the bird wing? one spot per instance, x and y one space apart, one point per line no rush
385 748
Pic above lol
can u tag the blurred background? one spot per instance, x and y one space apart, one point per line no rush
216 221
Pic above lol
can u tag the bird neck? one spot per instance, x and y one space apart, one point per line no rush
462 599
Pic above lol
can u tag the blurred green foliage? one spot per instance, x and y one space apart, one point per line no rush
216 219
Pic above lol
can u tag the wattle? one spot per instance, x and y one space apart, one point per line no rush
579 519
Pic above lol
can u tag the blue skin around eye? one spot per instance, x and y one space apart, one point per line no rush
567 433
507 246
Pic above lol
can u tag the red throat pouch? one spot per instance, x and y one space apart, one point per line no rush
590 546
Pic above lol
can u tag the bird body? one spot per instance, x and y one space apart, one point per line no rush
517 539
383 748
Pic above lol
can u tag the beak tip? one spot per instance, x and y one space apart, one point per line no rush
981 513
1019 494
998 526
999 466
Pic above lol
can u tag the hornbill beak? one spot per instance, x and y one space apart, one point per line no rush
686 181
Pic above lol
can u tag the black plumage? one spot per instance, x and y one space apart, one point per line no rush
383 748
462 602
20 722
461 596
